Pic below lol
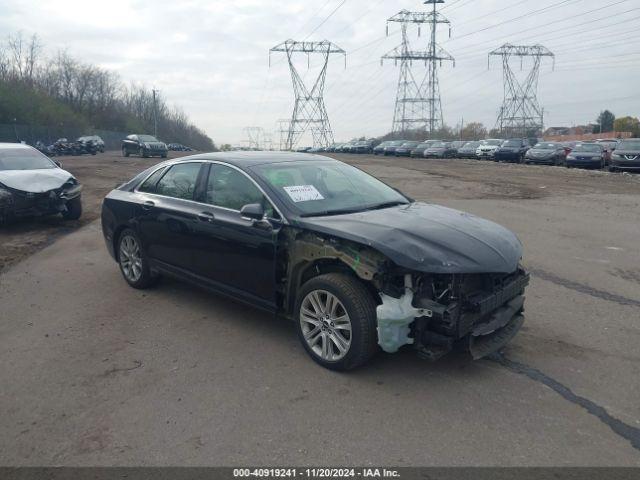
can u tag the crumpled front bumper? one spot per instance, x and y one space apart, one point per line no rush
16 203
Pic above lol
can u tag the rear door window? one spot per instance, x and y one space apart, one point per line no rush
179 181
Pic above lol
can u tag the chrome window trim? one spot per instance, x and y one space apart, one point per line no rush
283 219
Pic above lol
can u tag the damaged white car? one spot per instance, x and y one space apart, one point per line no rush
32 184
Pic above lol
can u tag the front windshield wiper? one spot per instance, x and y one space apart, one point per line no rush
383 205
345 211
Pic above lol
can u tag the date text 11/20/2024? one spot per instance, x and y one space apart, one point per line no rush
316 472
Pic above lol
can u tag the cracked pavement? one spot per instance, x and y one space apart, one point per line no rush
96 373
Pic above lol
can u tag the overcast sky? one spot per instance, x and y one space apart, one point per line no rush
211 56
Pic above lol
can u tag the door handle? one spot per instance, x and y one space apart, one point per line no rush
206 216
148 205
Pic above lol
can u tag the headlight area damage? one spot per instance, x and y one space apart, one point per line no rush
15 203
429 311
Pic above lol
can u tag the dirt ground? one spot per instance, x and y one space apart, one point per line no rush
98 174
97 373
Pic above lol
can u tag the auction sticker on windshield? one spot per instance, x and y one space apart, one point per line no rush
303 193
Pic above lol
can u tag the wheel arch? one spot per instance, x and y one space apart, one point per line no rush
310 256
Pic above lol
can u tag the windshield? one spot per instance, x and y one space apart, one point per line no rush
629 145
545 146
147 138
493 142
512 143
422 145
471 145
327 187
410 144
437 144
588 147
397 143
23 159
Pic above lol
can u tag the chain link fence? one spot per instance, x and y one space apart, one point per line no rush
32 133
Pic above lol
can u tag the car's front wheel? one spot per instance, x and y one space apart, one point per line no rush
336 321
125 153
133 263
73 209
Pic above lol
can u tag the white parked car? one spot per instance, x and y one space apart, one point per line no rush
487 148
31 184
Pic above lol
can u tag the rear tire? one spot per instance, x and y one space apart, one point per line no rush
133 262
74 209
355 306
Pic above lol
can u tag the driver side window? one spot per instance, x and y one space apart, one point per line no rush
228 188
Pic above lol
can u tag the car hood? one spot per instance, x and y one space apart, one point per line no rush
428 238
34 181
541 153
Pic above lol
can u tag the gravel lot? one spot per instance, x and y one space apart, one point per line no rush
96 373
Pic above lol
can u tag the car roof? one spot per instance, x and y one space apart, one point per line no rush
14 145
247 159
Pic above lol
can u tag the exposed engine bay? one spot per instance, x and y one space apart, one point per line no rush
432 312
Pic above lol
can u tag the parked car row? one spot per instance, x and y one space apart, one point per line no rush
612 153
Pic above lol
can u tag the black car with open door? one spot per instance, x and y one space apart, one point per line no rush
356 265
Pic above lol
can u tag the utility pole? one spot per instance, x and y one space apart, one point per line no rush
155 114
520 111
309 112
418 104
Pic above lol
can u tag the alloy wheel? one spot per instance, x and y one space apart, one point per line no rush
325 324
130 258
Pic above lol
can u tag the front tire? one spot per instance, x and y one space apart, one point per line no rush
74 209
335 318
133 262
125 153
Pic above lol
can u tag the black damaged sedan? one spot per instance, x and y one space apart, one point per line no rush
355 264
31 184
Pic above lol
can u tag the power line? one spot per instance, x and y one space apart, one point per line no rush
528 14
327 18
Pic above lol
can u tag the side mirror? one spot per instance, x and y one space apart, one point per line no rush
58 163
252 211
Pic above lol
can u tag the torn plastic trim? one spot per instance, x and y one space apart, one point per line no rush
394 316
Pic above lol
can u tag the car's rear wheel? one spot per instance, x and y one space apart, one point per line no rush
74 209
336 321
133 263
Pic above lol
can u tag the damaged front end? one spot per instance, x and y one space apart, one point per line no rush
433 312
15 203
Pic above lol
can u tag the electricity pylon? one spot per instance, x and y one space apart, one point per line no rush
283 132
418 104
309 112
520 113
255 137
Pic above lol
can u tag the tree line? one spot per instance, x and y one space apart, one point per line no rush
60 90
